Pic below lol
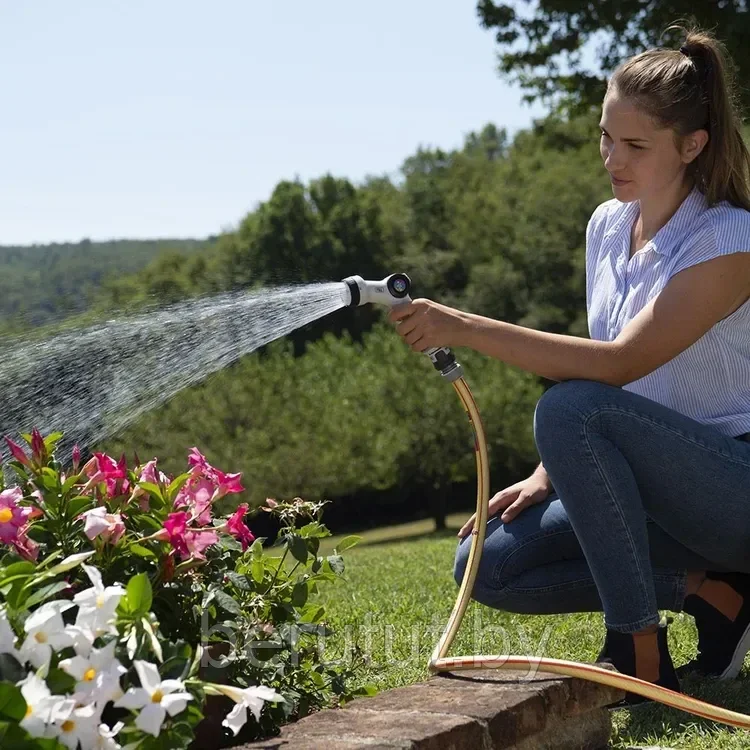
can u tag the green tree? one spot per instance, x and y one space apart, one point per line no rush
541 48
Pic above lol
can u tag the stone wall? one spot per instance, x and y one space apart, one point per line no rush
483 709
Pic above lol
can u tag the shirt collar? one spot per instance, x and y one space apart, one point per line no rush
669 237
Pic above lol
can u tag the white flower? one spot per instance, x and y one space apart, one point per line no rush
252 698
70 562
7 636
155 698
40 704
106 738
45 632
71 725
83 639
98 675
97 605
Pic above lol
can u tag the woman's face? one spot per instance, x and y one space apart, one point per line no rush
642 159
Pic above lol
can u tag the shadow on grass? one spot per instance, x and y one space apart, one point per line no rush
655 719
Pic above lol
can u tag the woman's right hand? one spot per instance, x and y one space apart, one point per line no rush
514 499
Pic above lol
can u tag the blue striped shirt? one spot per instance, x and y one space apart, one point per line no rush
710 380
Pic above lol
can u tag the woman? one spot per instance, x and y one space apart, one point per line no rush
642 499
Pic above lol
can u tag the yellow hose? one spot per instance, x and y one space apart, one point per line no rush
440 663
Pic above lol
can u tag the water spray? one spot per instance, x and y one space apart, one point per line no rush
394 290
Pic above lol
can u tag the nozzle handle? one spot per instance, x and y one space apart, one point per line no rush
443 359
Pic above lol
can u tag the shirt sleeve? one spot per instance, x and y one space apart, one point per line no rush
725 230
595 230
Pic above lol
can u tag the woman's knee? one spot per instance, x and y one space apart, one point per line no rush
567 405
488 589
496 562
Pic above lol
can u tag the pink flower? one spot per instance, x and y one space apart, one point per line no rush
27 548
269 506
109 526
236 527
150 474
38 448
225 483
12 515
103 468
76 457
196 495
186 541
17 452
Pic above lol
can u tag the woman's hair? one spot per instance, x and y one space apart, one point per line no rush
688 90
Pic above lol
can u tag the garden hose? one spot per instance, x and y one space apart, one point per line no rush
439 662
394 290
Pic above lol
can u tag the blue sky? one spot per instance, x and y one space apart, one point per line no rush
175 118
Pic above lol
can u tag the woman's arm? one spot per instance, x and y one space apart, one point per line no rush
691 303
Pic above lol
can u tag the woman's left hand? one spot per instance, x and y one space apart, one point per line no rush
424 324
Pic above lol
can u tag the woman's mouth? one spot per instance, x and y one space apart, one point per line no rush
617 182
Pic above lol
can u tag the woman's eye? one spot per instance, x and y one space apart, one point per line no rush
637 148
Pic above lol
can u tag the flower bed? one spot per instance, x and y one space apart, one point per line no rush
131 613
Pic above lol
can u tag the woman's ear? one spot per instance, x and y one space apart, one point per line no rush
692 144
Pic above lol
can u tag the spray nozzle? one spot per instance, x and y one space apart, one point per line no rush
390 291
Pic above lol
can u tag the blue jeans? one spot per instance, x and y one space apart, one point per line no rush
643 494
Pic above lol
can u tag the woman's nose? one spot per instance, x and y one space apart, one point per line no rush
613 160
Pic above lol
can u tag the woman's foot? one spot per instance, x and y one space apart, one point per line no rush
721 608
644 655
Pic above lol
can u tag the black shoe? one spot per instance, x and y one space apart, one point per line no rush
619 651
722 644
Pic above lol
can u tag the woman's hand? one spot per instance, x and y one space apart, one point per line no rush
513 500
424 324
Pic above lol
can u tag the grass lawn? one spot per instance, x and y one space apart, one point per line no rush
398 592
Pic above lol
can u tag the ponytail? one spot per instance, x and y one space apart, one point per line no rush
688 90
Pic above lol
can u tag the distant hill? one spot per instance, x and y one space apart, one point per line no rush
43 283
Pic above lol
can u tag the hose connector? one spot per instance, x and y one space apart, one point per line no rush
391 291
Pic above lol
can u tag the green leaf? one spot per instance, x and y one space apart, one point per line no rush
256 549
45 593
176 485
147 520
140 551
77 505
337 563
139 595
257 570
71 562
24 567
312 613
12 703
69 483
11 670
299 594
226 602
52 439
60 682
239 581
151 488
227 541
347 542
297 547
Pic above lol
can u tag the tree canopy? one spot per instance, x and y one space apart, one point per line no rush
541 45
